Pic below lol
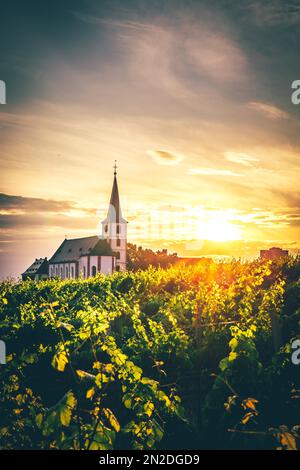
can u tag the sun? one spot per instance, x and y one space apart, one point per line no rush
218 229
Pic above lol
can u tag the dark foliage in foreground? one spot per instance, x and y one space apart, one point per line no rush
188 357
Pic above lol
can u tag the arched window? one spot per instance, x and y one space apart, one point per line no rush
72 271
106 228
94 270
118 242
84 271
118 228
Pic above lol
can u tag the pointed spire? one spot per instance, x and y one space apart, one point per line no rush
114 211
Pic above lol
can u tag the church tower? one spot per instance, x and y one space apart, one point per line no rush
114 227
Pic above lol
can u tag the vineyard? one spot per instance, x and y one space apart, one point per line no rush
189 357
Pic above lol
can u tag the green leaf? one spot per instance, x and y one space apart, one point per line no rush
60 360
39 420
223 364
112 419
66 407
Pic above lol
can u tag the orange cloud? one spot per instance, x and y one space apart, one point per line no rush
212 172
268 110
241 158
162 157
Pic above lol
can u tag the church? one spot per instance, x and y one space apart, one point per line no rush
85 257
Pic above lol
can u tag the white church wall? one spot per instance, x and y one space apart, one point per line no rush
114 230
107 264
54 270
83 266
61 268
117 236
93 262
72 270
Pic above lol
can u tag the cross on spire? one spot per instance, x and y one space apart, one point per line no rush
115 168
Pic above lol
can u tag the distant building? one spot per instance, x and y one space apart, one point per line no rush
273 253
37 271
88 256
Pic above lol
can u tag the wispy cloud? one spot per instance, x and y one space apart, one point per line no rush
162 157
216 54
212 172
92 19
16 211
268 110
241 158
178 56
275 12
10 202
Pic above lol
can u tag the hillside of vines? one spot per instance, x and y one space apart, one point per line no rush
189 357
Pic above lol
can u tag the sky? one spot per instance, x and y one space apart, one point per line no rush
193 100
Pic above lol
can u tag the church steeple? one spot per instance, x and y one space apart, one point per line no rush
114 227
114 203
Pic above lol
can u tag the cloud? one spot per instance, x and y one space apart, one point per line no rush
10 202
290 198
28 212
241 158
30 221
162 157
176 55
212 172
268 110
216 54
275 12
92 19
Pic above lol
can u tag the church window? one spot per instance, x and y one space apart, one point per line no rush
94 270
118 228
118 242
106 228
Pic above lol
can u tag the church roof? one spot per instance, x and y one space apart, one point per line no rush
72 250
102 248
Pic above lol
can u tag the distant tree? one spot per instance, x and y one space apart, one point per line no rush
142 258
